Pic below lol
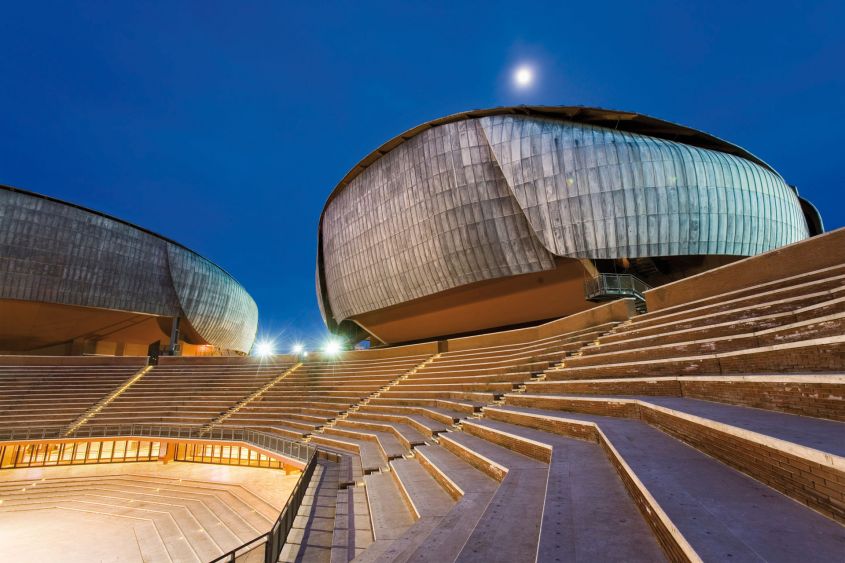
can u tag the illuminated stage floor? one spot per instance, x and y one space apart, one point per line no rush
136 511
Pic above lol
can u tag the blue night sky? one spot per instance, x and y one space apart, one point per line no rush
225 125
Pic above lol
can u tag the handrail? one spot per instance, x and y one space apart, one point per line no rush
274 540
611 286
272 442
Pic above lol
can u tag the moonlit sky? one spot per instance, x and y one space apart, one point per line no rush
225 125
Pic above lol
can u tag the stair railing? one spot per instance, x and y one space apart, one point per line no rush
605 287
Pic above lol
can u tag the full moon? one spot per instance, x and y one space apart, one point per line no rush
523 76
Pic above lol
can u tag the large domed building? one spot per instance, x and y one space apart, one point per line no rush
75 281
508 216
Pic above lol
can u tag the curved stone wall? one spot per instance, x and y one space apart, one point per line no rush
501 195
55 252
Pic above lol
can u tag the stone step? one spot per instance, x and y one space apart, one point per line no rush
421 423
428 503
730 323
516 509
407 436
424 496
819 396
804 279
371 457
801 284
801 457
588 515
720 513
800 306
389 446
389 513
311 538
832 325
822 355
353 531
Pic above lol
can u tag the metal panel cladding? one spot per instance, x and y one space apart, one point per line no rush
219 309
430 216
55 252
595 192
495 193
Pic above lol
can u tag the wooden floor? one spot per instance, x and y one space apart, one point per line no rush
136 511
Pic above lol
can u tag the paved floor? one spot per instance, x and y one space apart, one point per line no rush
76 533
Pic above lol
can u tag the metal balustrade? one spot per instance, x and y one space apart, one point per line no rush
270 442
605 287
268 546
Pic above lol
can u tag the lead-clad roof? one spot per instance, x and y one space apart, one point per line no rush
496 193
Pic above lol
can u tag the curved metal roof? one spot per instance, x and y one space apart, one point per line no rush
125 268
112 218
613 119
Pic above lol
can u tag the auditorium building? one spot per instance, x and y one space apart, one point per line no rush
75 281
501 217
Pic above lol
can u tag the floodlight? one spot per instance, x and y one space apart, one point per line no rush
265 348
332 347
298 349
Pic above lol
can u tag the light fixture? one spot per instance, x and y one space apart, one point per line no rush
265 348
298 349
332 347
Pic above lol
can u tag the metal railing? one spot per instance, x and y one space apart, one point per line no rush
265 548
612 286
273 541
271 442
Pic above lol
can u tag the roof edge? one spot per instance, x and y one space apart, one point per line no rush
118 220
616 119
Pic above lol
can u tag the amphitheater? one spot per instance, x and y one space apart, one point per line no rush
700 420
